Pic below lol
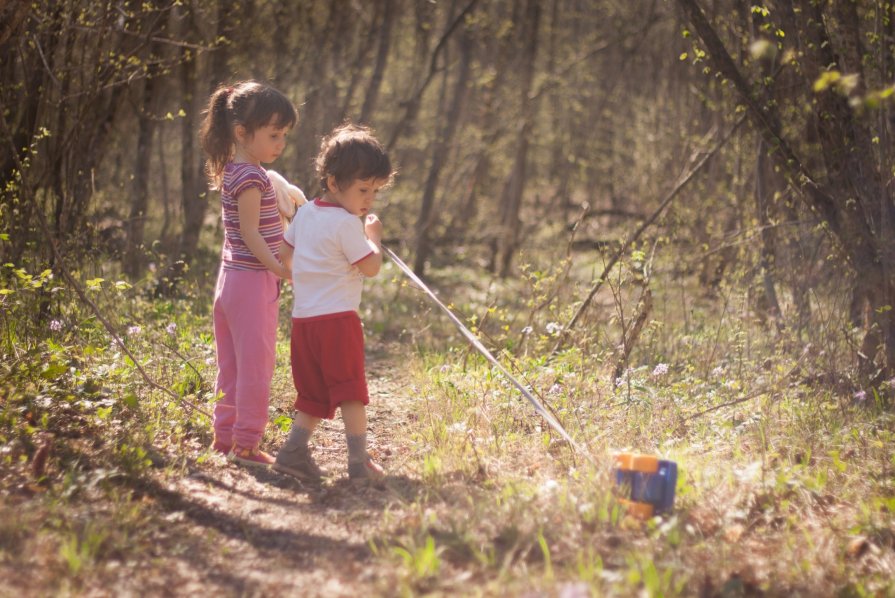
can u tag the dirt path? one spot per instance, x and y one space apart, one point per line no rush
237 531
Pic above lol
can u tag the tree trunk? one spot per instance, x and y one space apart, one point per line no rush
439 157
847 199
385 37
767 259
356 68
511 197
140 201
413 103
193 194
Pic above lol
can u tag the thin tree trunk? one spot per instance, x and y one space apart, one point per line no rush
140 200
511 197
767 261
356 69
165 192
439 157
385 37
193 190
413 103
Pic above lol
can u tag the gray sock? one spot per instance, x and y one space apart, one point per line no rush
297 441
357 448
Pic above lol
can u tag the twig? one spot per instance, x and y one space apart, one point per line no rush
646 224
43 59
153 38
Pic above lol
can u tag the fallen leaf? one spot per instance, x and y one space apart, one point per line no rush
857 547
734 532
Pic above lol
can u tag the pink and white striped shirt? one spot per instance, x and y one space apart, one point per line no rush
239 177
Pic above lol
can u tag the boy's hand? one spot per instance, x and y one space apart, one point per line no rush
373 228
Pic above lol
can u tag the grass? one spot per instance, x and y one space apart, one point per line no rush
785 487
765 503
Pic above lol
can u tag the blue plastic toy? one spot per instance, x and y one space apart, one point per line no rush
646 482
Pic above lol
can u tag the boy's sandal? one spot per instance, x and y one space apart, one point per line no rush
252 456
365 470
303 468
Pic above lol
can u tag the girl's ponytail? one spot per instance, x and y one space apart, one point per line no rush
216 135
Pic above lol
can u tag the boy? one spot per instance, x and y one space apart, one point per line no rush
331 246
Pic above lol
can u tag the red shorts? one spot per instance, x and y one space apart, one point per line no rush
328 362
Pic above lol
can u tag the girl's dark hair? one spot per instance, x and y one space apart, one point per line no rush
351 153
247 103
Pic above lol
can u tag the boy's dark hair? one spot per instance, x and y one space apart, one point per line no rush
247 103
351 153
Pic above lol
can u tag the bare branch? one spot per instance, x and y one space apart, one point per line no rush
646 224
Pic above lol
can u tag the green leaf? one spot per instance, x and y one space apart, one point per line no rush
53 371
283 422
826 79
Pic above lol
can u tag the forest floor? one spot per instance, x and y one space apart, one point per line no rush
213 527
786 487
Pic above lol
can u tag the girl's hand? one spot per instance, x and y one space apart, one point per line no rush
284 272
373 228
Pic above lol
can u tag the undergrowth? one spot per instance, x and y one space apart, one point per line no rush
786 465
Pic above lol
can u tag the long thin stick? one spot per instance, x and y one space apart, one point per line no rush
477 344
646 224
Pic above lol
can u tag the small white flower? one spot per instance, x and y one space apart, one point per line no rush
457 428
860 396
574 589
549 487
660 370
625 377
718 372
134 330
55 325
555 389
527 330
554 327
171 328
209 361
748 472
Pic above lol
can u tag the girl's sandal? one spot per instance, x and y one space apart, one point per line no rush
251 456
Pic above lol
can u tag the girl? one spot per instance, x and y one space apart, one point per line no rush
245 125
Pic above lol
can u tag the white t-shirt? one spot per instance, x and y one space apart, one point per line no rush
328 241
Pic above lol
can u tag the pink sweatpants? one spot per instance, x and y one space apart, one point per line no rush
246 306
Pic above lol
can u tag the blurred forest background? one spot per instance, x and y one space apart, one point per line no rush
532 126
674 220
